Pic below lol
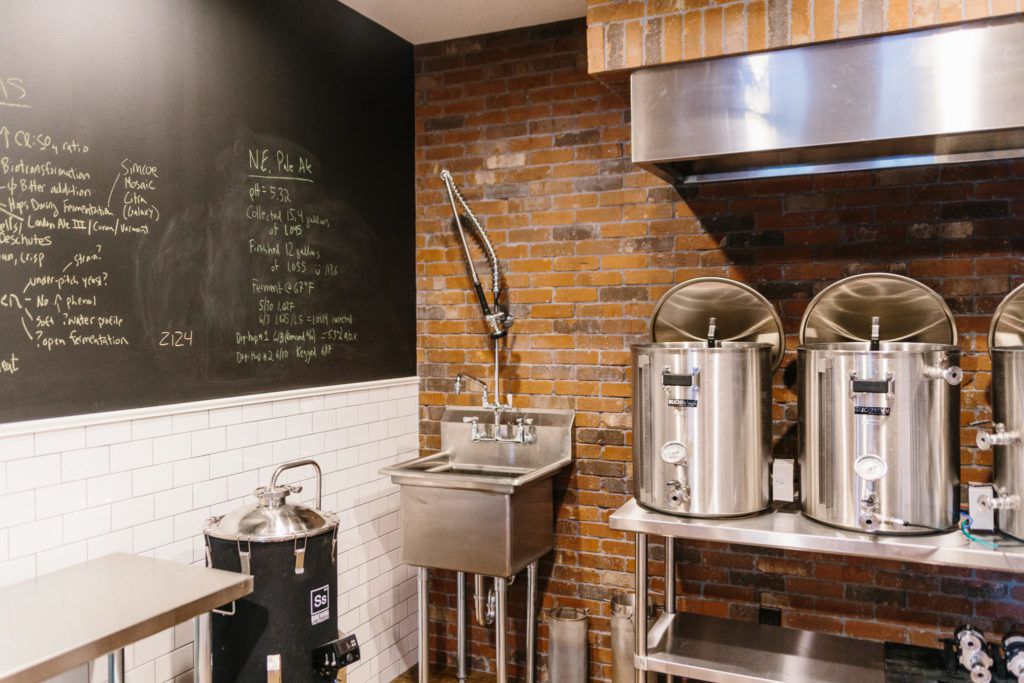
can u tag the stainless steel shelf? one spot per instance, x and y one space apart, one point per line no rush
725 651
783 528
57 621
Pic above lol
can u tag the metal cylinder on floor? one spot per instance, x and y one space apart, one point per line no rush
623 610
567 659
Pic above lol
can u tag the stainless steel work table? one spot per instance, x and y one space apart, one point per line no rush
58 621
723 651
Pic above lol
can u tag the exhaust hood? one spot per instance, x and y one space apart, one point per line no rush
935 96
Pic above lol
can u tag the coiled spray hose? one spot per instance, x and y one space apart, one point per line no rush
499 320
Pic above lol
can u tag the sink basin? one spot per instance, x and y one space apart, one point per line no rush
483 507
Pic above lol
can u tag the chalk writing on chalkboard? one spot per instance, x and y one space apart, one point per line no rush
291 267
218 215
48 198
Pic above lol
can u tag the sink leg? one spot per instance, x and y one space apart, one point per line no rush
460 664
640 611
422 593
501 619
531 620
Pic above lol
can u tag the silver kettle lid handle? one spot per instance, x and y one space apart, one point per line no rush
302 463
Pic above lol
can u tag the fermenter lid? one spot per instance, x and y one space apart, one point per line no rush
271 518
741 313
907 310
1007 328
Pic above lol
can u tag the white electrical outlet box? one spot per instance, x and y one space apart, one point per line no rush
783 482
982 516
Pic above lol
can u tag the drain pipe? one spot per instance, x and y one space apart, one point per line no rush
484 618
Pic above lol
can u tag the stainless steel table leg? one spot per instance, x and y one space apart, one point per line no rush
501 622
670 575
531 620
460 613
202 650
422 588
670 585
640 610
115 666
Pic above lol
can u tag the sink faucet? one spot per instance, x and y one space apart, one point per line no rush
462 377
525 432
497 406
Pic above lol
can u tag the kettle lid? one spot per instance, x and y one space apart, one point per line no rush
740 313
1007 328
271 518
908 311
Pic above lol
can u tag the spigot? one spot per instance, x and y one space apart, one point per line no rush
998 437
952 375
870 517
1002 501
1013 646
678 493
974 656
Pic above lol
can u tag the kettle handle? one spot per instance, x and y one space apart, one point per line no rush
301 463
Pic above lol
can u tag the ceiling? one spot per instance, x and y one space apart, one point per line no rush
427 21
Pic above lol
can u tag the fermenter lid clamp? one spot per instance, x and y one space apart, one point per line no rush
907 311
734 311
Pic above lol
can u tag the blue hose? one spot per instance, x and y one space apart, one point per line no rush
965 529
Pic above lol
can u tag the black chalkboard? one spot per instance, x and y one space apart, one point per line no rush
200 199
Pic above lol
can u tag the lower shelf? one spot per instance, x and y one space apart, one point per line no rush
726 651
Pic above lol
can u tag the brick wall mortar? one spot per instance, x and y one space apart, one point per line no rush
541 152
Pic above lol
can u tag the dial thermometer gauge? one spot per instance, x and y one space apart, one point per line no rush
673 452
870 467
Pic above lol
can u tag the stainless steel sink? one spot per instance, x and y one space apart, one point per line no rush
483 507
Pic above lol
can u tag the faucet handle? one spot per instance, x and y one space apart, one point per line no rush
470 420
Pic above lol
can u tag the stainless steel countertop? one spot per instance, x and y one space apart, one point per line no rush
783 528
57 621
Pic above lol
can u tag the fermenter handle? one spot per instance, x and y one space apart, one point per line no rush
301 463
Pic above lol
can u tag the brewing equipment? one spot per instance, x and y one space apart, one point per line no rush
879 382
1006 346
287 629
702 400
973 653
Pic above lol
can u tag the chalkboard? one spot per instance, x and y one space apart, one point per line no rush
200 199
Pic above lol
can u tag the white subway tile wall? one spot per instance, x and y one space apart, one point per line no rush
148 485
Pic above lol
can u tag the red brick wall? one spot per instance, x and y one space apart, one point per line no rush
541 151
625 34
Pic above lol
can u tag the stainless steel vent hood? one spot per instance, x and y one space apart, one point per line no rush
936 96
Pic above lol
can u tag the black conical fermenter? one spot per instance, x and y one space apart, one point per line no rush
287 629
